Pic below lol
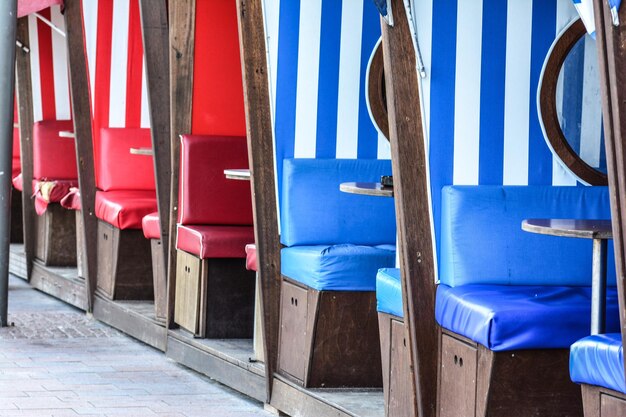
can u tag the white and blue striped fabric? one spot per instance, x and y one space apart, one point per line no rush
318 55
585 10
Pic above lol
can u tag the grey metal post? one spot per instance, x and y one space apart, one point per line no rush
598 286
8 25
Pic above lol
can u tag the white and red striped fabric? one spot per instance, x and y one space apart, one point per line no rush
48 66
26 7
114 49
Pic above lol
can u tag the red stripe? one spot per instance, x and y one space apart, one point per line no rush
46 68
134 69
217 86
103 74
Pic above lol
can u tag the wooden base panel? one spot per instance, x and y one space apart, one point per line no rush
81 256
124 264
135 318
294 400
475 381
17 222
219 364
17 261
55 240
398 378
214 297
159 277
328 339
60 282
603 402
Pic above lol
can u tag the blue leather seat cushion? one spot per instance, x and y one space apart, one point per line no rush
504 317
389 292
482 241
599 360
315 212
342 267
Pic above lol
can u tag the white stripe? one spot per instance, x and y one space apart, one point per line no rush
119 63
423 15
59 62
145 103
591 118
90 20
308 77
467 93
384 150
349 79
35 77
517 96
565 12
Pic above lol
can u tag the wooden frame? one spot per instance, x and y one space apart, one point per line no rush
602 402
376 91
547 104
55 237
415 246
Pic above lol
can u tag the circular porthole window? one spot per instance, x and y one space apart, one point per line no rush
570 107
375 97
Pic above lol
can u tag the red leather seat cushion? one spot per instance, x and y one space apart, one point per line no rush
16 167
54 158
125 209
47 192
72 201
119 169
251 257
17 182
206 195
151 226
214 241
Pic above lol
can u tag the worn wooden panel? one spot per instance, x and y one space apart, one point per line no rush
612 61
26 118
155 33
410 171
458 378
612 406
159 279
60 282
293 331
81 258
401 386
56 237
187 307
81 114
107 235
182 20
261 156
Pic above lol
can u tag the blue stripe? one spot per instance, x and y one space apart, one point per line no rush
543 34
328 88
442 102
286 82
493 72
368 136
573 84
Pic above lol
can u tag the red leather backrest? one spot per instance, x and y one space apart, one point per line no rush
119 169
16 143
53 157
206 195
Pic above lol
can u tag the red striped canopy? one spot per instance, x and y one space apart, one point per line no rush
26 7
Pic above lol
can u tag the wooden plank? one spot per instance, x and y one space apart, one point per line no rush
182 17
612 61
409 163
155 32
81 113
26 118
61 283
261 156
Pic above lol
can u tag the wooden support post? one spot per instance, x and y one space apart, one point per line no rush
409 162
182 17
261 156
612 63
26 119
156 55
81 113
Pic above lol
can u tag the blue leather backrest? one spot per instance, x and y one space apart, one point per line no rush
314 211
482 241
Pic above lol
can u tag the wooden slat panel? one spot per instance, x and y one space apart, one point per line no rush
612 61
261 156
25 115
408 154
156 49
182 17
81 113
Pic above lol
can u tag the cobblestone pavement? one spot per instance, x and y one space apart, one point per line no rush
56 361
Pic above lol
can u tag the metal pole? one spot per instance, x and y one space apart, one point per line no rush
8 25
598 286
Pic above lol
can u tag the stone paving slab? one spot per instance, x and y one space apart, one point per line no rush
57 361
